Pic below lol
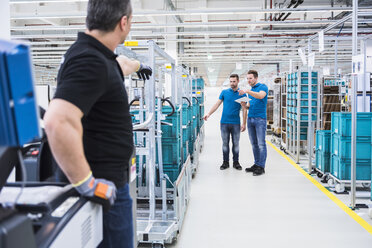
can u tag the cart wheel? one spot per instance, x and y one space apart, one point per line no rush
273 141
157 245
281 148
319 174
366 185
340 188
330 182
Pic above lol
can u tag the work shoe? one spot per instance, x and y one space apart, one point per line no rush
225 165
251 169
236 165
258 171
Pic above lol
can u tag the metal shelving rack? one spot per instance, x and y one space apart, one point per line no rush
283 119
300 103
332 83
160 209
354 18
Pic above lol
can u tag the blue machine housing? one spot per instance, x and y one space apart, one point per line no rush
19 118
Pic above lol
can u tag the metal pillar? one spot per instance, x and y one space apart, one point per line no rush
336 58
159 145
310 133
354 106
319 90
297 141
150 89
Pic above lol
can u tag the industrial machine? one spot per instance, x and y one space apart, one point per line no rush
43 214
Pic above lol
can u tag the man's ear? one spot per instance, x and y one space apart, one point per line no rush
123 23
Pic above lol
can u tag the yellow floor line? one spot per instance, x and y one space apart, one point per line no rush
339 203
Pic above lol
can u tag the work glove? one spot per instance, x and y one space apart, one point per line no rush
97 190
144 72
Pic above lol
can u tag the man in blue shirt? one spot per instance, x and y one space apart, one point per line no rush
257 121
230 121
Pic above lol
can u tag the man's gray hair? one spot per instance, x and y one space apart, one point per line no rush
104 15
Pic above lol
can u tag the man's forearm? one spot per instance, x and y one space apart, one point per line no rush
257 95
245 115
67 147
128 66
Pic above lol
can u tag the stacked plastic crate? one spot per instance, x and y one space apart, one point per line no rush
171 144
195 120
297 102
323 151
186 135
341 146
198 91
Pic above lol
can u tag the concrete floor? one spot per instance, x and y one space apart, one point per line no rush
279 209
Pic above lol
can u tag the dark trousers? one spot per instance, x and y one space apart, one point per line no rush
232 130
118 222
257 135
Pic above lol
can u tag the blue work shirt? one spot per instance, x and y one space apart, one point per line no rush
231 109
258 106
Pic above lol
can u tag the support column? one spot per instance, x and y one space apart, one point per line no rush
354 108
4 20
171 49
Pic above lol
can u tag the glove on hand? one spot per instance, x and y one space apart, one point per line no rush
98 190
144 72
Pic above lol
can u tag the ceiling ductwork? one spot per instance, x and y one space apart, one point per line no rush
295 4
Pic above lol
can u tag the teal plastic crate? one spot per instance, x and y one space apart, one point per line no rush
306 96
171 131
305 117
305 110
306 88
199 83
323 161
341 146
341 124
323 141
313 74
185 115
171 150
341 168
305 103
305 81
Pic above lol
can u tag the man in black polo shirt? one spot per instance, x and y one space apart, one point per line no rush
88 124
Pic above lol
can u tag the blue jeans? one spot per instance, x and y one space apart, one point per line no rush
234 131
257 134
118 222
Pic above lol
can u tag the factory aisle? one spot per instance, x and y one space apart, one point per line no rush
233 209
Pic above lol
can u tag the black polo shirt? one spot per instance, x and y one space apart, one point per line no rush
91 79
